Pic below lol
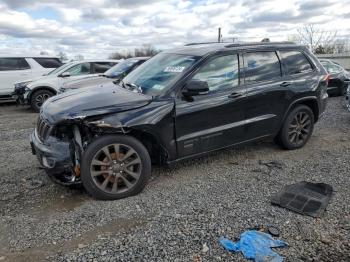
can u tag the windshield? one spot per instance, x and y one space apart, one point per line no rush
119 69
58 69
159 73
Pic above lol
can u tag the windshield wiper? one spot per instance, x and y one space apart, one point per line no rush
134 87
130 86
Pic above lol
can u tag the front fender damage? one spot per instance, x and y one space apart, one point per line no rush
68 150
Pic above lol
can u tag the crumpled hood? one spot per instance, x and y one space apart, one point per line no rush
85 102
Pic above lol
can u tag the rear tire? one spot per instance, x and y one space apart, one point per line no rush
114 167
297 128
38 98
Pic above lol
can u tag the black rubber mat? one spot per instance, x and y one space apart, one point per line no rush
305 198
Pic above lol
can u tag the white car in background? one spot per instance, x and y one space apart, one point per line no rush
19 68
36 91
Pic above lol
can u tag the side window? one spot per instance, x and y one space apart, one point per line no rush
80 69
48 62
261 66
221 73
295 62
8 64
101 67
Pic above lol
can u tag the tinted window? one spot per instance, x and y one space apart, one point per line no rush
261 66
48 62
7 64
221 73
80 69
101 67
123 68
295 62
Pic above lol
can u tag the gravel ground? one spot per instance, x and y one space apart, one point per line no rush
183 211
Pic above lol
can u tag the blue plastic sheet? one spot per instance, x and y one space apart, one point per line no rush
255 245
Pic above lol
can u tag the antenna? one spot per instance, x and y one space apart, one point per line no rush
219 35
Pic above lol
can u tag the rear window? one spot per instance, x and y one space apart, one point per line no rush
48 62
261 66
8 64
295 62
101 67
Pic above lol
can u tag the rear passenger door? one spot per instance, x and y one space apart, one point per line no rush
265 93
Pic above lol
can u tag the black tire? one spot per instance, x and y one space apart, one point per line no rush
39 97
293 134
93 184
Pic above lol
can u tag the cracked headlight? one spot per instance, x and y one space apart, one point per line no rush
22 84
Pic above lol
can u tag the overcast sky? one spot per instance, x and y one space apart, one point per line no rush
96 28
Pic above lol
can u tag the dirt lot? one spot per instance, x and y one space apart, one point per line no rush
183 211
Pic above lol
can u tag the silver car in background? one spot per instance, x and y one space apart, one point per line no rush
115 73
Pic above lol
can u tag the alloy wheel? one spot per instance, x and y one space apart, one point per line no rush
40 99
299 128
116 168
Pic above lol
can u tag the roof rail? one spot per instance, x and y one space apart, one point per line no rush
203 43
259 43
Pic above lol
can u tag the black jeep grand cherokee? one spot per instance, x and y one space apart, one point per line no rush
180 104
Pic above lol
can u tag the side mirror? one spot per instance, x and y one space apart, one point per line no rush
195 88
65 74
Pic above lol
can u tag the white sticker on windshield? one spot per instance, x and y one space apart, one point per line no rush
174 69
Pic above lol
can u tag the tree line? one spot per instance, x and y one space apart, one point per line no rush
144 50
321 41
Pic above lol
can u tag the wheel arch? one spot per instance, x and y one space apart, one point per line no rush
156 150
310 102
34 90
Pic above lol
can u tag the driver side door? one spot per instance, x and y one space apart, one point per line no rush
214 120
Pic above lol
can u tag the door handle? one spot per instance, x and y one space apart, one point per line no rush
284 84
235 95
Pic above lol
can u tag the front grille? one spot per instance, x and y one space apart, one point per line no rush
43 129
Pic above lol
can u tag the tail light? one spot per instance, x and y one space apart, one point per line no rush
327 78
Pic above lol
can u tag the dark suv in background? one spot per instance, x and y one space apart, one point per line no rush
180 104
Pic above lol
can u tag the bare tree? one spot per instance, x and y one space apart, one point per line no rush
145 50
62 56
79 57
314 37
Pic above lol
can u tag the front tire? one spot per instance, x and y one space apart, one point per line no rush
297 128
114 167
38 98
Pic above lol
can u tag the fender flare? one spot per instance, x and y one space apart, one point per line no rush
300 101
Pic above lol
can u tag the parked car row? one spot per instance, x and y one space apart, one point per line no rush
115 73
177 105
36 91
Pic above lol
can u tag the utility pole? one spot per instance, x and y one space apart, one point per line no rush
219 35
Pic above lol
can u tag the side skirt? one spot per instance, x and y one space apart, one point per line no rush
172 163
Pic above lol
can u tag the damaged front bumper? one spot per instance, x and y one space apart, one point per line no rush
21 95
55 157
